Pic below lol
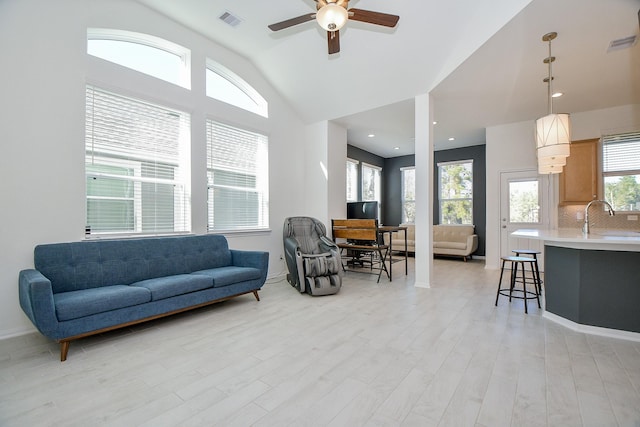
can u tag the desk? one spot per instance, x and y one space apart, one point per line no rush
365 238
394 229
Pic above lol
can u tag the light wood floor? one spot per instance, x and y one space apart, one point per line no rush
386 354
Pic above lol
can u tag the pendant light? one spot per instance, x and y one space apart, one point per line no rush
553 131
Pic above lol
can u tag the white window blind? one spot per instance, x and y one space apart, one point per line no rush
621 170
136 166
621 153
238 178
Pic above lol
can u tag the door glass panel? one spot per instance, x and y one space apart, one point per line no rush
524 206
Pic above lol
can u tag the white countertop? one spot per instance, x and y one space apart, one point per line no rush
621 240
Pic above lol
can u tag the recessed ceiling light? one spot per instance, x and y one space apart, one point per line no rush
435 122
452 139
557 94
396 148
371 135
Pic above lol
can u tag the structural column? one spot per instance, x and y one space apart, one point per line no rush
424 190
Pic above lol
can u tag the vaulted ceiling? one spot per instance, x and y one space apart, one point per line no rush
482 61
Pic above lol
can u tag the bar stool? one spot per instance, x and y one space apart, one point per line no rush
526 295
534 254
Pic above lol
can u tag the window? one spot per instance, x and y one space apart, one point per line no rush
238 178
136 166
524 204
455 181
352 180
141 52
371 183
226 86
371 187
408 195
621 171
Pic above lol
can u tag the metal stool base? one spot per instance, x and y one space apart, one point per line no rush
523 293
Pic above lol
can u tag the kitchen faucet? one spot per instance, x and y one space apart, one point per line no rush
585 227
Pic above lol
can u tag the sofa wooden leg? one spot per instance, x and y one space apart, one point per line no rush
64 349
255 294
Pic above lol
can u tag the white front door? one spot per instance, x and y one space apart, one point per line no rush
523 196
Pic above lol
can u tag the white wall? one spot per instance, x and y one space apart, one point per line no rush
337 160
44 72
511 147
316 173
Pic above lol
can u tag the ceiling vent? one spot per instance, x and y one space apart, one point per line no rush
230 19
622 43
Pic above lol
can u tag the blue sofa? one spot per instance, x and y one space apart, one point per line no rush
84 288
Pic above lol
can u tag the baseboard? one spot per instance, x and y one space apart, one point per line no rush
276 278
17 332
592 330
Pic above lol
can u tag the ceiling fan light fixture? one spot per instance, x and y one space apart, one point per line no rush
332 17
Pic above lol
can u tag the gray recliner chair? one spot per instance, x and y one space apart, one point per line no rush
313 260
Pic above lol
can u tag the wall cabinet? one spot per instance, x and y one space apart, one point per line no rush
580 178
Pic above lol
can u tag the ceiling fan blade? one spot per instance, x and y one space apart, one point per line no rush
333 39
371 17
293 21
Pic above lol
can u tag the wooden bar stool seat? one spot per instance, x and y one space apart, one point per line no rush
520 293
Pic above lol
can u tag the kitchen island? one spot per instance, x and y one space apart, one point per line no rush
592 282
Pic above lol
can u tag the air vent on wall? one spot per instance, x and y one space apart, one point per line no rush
622 43
230 19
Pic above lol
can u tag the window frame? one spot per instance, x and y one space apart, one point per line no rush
632 139
442 200
538 198
261 105
377 185
404 201
377 182
108 153
261 179
354 185
146 40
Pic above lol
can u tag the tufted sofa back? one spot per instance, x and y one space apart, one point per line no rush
91 264
452 233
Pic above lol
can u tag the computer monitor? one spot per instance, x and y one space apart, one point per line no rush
362 210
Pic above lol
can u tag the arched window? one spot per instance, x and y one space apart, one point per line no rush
226 86
141 52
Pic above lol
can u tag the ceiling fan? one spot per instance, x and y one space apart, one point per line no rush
333 15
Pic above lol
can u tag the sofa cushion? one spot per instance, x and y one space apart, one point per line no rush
224 276
75 304
450 245
170 286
